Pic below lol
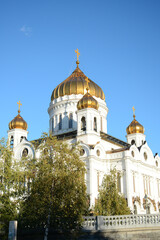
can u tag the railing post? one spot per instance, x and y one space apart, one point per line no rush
12 235
99 223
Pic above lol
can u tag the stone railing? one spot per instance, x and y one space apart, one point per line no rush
121 221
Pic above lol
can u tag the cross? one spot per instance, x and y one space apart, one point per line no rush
76 51
87 83
20 104
133 111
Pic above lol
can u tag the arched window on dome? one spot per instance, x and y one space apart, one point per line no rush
11 142
95 124
52 124
83 124
60 121
56 122
70 120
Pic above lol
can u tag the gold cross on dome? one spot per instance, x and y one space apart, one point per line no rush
76 51
19 105
133 111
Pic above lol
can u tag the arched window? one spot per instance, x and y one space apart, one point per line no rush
70 120
25 152
132 142
52 122
60 121
83 124
11 142
95 124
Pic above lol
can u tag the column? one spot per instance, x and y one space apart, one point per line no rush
128 181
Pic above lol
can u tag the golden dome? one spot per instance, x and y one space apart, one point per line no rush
135 127
87 101
18 122
76 84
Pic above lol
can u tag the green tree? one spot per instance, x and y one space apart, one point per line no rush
109 201
10 187
58 190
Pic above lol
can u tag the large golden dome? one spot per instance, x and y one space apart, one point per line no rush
135 127
87 101
18 122
76 84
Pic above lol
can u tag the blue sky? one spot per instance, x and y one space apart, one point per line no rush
119 43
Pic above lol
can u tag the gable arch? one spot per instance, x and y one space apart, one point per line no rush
146 154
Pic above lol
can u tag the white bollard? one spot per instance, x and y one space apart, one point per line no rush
12 235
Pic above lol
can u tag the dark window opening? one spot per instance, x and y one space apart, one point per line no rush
70 120
25 152
22 137
95 124
52 124
83 124
11 142
132 142
60 121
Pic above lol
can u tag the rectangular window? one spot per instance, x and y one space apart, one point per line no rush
60 121
52 124
70 120
56 121
95 124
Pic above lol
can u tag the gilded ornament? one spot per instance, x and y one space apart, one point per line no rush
18 121
135 126
77 62
87 101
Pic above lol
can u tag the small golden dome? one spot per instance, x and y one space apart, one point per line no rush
76 84
135 127
18 122
87 101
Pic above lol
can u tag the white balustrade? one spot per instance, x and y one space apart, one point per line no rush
120 221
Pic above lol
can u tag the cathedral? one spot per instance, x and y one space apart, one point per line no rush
78 113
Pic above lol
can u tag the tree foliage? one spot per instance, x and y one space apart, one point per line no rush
10 187
57 191
109 201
